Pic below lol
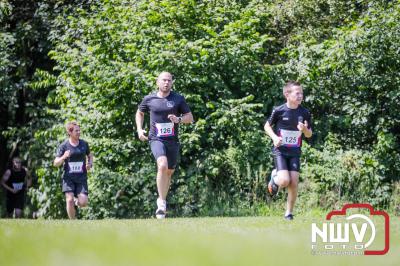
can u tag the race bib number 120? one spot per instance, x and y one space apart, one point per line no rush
165 129
290 138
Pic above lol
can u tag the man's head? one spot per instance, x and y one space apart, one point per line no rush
73 129
16 163
293 92
164 82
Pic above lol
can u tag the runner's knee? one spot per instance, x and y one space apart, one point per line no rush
284 182
83 202
283 178
162 166
69 201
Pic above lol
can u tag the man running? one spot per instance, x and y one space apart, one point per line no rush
74 154
290 121
167 109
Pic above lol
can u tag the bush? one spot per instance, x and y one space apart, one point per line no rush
334 176
229 60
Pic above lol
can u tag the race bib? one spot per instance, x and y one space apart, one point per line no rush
290 138
75 167
165 129
18 186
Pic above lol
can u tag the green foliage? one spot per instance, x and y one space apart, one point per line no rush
24 27
229 59
334 176
119 196
47 197
108 59
352 77
224 157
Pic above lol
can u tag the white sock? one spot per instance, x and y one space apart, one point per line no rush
161 204
287 213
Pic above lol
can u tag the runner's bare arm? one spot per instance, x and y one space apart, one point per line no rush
187 118
303 127
139 125
89 163
60 160
270 132
6 176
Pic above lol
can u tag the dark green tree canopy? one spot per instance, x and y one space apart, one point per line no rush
230 60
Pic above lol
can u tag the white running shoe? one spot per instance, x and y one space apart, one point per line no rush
273 188
161 209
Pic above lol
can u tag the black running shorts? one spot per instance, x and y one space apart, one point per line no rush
15 201
170 149
290 163
77 186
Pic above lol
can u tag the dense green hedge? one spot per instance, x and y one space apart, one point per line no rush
230 59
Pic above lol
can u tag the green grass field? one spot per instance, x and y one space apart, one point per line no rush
178 241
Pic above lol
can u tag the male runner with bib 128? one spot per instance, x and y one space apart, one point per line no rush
167 109
286 125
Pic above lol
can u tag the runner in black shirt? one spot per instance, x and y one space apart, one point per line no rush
290 122
167 109
74 154
16 180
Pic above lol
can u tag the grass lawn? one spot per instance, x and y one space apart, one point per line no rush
174 241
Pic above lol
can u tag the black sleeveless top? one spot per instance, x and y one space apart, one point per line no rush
17 179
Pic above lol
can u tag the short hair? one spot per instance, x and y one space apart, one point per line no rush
16 159
165 72
69 126
289 85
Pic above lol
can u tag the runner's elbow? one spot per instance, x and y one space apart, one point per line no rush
191 119
267 127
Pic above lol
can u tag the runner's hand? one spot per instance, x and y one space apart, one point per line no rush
142 136
66 154
173 118
302 126
277 141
